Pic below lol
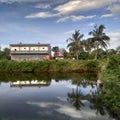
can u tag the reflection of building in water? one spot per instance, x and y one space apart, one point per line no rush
29 83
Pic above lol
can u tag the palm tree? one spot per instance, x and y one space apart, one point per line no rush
99 39
87 45
75 43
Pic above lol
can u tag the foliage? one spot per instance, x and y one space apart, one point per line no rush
75 43
111 79
55 49
99 39
49 66
5 54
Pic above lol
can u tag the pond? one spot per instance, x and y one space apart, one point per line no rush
56 96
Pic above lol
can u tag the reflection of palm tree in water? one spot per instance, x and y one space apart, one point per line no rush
75 98
95 98
96 101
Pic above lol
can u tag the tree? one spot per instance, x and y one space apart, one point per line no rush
99 39
118 50
55 49
5 54
75 43
87 45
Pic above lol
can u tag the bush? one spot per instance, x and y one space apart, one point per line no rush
48 66
92 65
111 79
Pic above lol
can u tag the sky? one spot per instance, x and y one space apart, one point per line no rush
54 21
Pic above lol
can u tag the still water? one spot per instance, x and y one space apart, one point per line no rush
55 96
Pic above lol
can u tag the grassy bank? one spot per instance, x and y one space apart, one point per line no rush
111 89
49 66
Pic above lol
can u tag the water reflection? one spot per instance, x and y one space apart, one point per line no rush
29 83
60 96
93 95
47 76
76 98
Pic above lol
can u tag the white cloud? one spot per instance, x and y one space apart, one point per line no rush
115 9
106 15
72 7
114 39
62 19
82 5
70 32
91 24
43 1
12 1
42 15
43 6
78 18
75 18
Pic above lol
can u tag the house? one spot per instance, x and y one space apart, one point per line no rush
58 55
29 51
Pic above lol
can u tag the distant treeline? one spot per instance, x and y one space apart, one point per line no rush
50 66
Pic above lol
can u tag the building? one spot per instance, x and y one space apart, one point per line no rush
29 51
58 55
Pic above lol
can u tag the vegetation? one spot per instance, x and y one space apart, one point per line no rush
99 39
49 66
75 43
91 55
5 54
111 89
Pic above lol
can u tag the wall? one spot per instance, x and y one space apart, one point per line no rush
27 57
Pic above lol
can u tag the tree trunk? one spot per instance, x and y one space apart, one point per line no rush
96 54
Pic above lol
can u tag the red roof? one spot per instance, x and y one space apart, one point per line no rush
58 54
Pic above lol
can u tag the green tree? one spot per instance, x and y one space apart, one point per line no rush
99 39
74 44
118 50
87 45
55 49
5 54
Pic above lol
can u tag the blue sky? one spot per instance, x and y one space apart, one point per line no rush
54 21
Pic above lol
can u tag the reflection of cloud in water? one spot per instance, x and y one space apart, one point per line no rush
62 99
63 107
71 86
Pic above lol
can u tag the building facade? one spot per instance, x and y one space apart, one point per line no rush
29 51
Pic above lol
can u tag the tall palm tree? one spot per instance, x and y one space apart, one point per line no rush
75 43
99 39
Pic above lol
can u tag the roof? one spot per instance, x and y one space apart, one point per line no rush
58 54
21 44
